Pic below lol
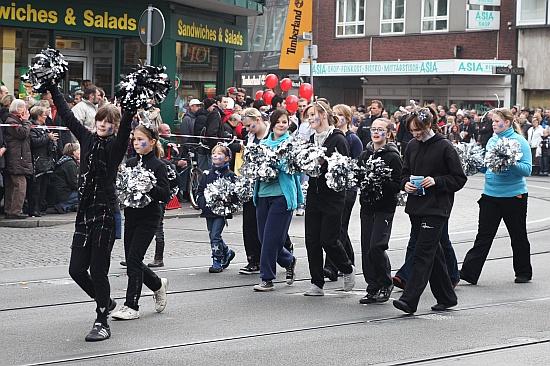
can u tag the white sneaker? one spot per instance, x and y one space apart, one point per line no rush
349 280
314 290
160 295
125 313
300 212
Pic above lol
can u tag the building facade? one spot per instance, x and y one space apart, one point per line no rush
438 51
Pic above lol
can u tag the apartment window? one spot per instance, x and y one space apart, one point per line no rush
435 15
392 18
531 12
350 18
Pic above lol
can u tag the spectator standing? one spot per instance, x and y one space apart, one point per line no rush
534 137
363 132
86 110
187 125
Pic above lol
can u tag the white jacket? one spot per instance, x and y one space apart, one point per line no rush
534 136
85 112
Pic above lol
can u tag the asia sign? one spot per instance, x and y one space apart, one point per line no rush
210 33
391 68
483 20
298 21
70 16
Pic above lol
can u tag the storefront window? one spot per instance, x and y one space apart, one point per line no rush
133 53
481 106
27 44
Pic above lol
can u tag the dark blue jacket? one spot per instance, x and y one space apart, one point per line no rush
209 177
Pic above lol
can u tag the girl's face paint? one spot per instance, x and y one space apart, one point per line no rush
104 128
499 125
341 120
219 158
142 143
379 131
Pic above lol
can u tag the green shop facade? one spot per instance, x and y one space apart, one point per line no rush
100 40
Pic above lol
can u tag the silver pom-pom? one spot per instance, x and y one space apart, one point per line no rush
309 159
48 68
221 198
259 162
145 86
133 184
341 172
244 188
288 152
172 178
471 157
375 173
505 153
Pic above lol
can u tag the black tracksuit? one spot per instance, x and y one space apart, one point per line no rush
436 158
140 226
323 218
377 218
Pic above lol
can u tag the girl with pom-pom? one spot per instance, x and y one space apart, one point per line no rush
275 202
504 197
377 215
140 225
324 206
102 152
221 254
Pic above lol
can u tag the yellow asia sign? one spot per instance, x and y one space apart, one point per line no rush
298 21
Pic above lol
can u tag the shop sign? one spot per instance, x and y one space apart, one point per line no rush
485 2
298 21
209 32
252 79
483 20
70 16
391 68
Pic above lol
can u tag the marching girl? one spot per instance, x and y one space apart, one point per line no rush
140 225
431 174
324 206
377 215
101 153
275 202
504 198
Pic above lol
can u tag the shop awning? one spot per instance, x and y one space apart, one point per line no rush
233 7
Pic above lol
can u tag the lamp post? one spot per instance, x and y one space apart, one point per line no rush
310 53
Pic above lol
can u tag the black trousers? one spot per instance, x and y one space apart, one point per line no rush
138 234
428 264
323 223
351 196
159 235
513 210
375 236
36 193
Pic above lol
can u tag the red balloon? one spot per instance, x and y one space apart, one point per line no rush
306 91
291 103
259 95
286 84
268 96
271 81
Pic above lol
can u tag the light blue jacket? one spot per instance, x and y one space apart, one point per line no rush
290 183
511 182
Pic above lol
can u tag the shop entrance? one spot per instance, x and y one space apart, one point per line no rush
75 75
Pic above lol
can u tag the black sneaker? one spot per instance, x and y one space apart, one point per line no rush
250 269
522 279
384 294
370 297
99 332
264 286
290 273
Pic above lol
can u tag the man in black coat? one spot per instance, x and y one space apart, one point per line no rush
363 132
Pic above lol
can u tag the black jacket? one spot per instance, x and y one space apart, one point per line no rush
2 144
4 113
436 158
392 159
363 132
214 126
403 133
160 191
64 179
485 131
43 151
213 174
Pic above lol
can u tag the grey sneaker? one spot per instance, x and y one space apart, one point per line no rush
349 280
290 272
314 290
160 295
264 286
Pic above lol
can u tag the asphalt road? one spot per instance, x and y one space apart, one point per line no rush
218 319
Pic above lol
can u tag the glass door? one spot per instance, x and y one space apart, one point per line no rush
75 74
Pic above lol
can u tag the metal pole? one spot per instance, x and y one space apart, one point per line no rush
149 26
311 66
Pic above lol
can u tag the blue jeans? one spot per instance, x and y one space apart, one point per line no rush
448 251
71 202
215 227
273 220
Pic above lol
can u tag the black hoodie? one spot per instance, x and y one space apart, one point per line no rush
435 158
392 159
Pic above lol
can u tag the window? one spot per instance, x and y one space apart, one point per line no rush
350 18
531 12
392 18
435 15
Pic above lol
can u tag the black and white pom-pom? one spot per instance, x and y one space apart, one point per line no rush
259 162
133 185
341 172
48 68
220 197
288 152
309 159
372 182
173 180
402 198
471 157
244 188
142 88
505 153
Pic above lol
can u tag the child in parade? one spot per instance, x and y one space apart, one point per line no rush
377 215
221 254
504 197
141 224
275 202
101 153
324 206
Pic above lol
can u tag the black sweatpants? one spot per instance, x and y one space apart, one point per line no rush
513 210
36 193
138 234
375 236
428 264
351 196
323 223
